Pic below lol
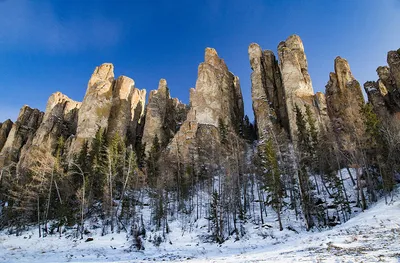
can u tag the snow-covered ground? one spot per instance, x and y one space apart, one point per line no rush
371 236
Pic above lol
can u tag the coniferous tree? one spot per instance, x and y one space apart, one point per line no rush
153 169
308 200
272 182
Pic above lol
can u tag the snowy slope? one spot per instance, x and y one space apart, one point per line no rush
371 236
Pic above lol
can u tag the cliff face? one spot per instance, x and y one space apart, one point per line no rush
127 110
5 129
60 120
278 89
215 102
96 105
344 101
163 116
297 85
217 95
384 94
21 133
267 92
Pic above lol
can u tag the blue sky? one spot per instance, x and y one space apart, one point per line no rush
49 46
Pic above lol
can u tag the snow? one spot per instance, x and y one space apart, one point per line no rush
371 236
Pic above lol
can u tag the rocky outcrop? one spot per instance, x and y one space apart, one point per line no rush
216 100
296 81
393 60
321 108
96 107
59 121
384 94
217 95
267 92
127 109
21 133
5 129
164 116
344 101
376 93
278 89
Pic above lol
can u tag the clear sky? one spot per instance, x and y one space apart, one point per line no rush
49 46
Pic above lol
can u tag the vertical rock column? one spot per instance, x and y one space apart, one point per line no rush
60 120
127 109
267 92
22 132
295 78
96 106
163 116
5 129
344 101
216 98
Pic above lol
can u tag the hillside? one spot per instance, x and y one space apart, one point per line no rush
369 236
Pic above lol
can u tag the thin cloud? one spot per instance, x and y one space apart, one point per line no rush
36 24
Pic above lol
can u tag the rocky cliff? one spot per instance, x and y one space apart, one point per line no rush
96 106
267 92
127 110
384 94
164 116
216 101
5 129
59 121
297 83
278 88
344 101
21 133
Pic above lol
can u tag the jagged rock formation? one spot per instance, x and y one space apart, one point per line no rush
216 100
295 78
393 60
267 92
5 129
127 109
96 106
163 116
377 92
21 133
344 101
60 120
384 94
277 89
112 105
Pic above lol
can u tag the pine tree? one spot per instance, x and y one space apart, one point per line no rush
272 180
304 162
153 169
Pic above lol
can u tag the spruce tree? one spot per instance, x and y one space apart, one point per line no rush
272 180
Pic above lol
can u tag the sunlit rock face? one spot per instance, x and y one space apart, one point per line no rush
21 133
127 110
5 129
164 115
297 85
216 100
278 88
384 94
96 106
59 123
267 92
344 101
